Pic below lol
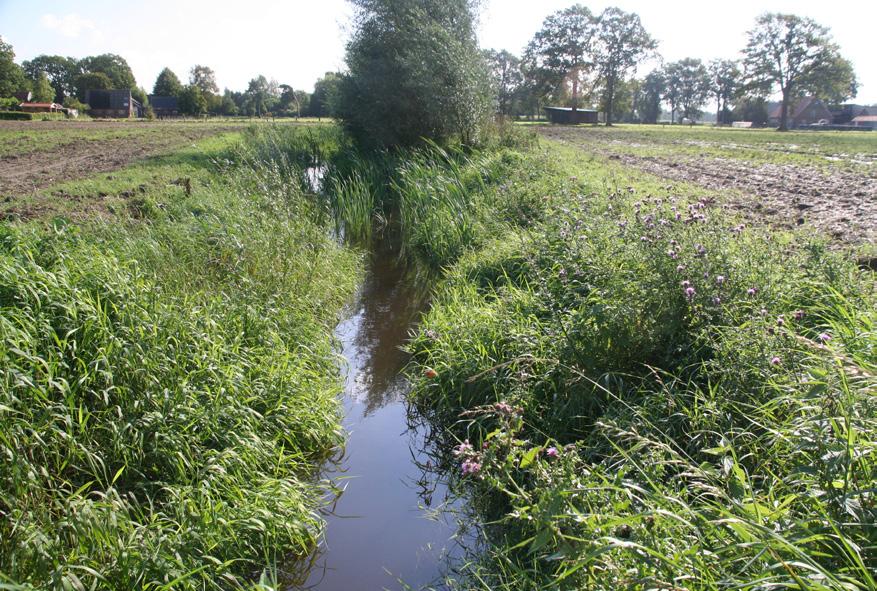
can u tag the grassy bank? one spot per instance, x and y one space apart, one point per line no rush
169 382
640 392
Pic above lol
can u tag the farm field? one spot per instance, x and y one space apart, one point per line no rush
38 154
822 180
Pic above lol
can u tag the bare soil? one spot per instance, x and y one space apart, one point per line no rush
22 174
839 203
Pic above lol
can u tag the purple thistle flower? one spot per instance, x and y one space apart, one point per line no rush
470 467
552 452
686 283
751 291
689 292
799 314
824 337
463 448
720 279
775 361
717 300
680 268
781 321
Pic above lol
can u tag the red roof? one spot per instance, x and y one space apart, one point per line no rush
45 105
865 118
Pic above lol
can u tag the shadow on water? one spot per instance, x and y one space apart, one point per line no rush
390 524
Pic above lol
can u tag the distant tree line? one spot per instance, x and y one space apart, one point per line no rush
579 58
414 70
65 80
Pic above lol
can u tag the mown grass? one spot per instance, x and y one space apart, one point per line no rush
637 391
169 383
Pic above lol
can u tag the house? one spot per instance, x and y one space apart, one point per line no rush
866 121
164 106
566 115
116 104
24 96
41 107
843 114
805 111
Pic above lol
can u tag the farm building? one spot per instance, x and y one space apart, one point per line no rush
806 111
869 121
24 96
164 106
41 107
113 104
565 115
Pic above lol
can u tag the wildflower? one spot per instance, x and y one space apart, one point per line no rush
751 291
680 268
470 467
686 283
781 321
701 249
763 312
720 279
672 254
775 361
552 452
799 314
824 337
430 373
717 300
689 292
504 408
463 449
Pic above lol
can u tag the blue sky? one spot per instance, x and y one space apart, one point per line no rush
296 41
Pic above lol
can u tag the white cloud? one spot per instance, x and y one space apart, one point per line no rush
70 25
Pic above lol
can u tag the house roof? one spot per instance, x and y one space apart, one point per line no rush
865 118
42 105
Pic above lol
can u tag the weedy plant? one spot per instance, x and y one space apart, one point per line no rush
642 393
169 386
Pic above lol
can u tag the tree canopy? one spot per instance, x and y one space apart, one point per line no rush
42 90
794 55
560 52
115 67
61 72
620 44
724 84
415 72
688 86
507 78
204 78
167 84
12 78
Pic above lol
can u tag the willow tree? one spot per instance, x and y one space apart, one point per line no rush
794 55
561 50
620 43
414 72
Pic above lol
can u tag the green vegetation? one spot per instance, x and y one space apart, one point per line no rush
639 392
169 384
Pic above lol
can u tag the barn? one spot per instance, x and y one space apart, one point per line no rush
41 107
113 104
566 116
164 106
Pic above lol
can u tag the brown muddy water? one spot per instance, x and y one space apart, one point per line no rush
389 529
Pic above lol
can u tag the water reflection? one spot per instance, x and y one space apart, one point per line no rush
390 528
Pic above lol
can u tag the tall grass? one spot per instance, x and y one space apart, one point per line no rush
640 393
168 386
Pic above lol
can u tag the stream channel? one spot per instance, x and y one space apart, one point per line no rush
389 529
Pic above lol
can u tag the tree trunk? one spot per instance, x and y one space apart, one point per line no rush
610 90
718 111
784 110
575 91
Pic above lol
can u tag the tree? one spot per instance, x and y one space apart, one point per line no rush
61 72
113 66
415 72
42 90
204 78
91 81
12 78
794 55
507 78
651 93
192 101
228 106
687 86
620 43
725 81
167 84
259 97
561 50
325 96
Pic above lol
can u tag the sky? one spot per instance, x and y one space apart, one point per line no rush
297 41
